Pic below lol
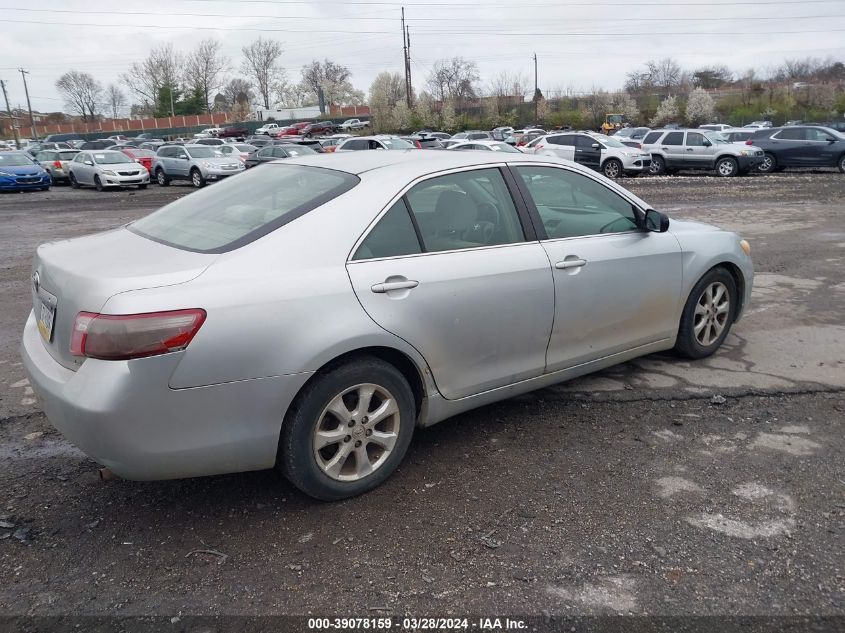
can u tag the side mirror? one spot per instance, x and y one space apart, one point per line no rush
595 145
707 143
656 221
831 139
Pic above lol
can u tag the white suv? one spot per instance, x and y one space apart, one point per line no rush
598 151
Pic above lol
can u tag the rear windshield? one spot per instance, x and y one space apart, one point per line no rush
239 210
396 143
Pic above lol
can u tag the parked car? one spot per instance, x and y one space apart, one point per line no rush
317 129
214 142
442 136
472 135
596 151
521 138
293 130
276 152
372 142
238 150
353 124
20 172
33 148
232 131
631 134
485 145
759 124
258 141
64 137
315 144
209 132
424 142
268 128
740 136
102 143
715 127
672 150
310 318
330 143
800 146
195 163
143 156
103 169
151 145
55 162
449 142
501 133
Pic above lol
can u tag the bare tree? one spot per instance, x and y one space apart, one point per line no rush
506 84
665 74
115 100
453 79
597 104
261 65
294 95
332 80
712 77
237 90
81 92
204 69
161 69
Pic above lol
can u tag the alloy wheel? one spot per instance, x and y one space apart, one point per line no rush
726 167
711 313
196 179
611 169
356 432
768 164
160 178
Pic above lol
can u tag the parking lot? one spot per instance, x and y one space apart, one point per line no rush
660 487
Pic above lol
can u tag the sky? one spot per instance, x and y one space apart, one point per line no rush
580 44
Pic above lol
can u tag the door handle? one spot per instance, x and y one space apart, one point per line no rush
689 149
394 285
571 263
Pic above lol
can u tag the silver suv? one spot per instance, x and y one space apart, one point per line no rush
672 150
196 163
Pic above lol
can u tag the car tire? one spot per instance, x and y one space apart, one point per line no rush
333 472
769 164
44 189
727 167
706 319
842 164
612 168
658 166
196 178
161 178
73 182
98 184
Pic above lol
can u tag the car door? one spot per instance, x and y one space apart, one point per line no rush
84 170
559 145
674 150
699 151
616 287
789 147
820 151
587 151
180 163
452 267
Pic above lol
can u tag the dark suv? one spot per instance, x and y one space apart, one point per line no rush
800 146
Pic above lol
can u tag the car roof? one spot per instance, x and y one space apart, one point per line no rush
479 141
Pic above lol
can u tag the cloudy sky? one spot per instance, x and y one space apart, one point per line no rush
579 43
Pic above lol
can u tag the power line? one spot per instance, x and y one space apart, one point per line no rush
475 19
552 4
428 32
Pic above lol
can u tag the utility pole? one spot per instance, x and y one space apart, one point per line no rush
410 89
536 91
406 60
11 119
24 73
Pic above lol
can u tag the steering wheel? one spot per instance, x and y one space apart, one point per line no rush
612 222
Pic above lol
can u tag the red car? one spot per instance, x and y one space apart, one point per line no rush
143 156
285 131
294 130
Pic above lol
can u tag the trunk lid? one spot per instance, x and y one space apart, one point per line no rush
81 274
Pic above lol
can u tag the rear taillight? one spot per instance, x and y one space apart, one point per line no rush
538 146
57 164
418 144
127 336
748 142
639 145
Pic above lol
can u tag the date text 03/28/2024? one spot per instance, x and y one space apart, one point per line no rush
416 624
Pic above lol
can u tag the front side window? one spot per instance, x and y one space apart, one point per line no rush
393 236
465 210
815 134
694 139
572 205
585 142
239 210
674 138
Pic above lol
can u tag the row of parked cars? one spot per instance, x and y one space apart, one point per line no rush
120 161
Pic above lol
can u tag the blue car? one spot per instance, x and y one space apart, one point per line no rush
19 172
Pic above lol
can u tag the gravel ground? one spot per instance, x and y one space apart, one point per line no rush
655 488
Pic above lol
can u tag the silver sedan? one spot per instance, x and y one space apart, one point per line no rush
311 314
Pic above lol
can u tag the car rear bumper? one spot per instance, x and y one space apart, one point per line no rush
124 415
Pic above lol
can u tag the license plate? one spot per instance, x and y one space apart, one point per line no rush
45 321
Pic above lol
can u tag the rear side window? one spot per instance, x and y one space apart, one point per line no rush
791 134
394 235
465 210
674 138
240 210
651 137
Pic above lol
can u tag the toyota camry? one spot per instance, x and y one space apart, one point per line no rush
309 315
